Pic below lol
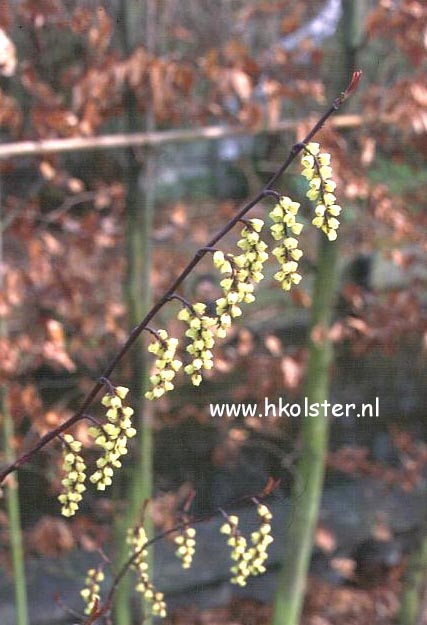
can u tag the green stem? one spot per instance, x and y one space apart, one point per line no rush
306 495
11 487
14 519
307 491
415 586
140 211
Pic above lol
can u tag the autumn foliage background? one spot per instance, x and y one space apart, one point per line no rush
66 72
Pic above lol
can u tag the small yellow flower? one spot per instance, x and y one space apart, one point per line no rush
248 560
287 253
244 271
112 437
90 593
74 468
137 539
166 365
201 332
261 540
186 546
239 552
318 172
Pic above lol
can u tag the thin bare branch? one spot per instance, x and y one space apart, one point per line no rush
266 190
152 139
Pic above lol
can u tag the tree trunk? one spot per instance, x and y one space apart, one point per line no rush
139 213
12 487
314 438
307 491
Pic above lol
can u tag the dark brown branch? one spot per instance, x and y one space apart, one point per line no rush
104 610
266 190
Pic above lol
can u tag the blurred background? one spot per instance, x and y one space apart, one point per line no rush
131 133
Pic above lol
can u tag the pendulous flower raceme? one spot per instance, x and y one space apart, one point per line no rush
227 307
261 539
251 262
112 437
239 552
137 539
201 332
186 546
248 560
244 270
75 474
90 593
287 253
318 172
165 366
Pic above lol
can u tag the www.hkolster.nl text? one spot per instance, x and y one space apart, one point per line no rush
287 409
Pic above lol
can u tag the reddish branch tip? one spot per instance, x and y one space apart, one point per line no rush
354 83
271 485
189 500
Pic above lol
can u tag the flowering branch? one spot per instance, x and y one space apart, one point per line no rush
266 191
260 541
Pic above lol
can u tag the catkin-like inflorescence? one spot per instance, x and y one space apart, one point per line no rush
137 539
75 474
90 593
261 539
248 560
186 546
250 263
286 251
165 366
201 332
317 170
112 437
227 307
243 271
240 553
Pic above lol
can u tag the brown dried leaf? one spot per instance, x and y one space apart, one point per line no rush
368 150
99 36
5 15
81 20
325 539
51 537
273 344
10 113
136 66
179 216
7 55
47 170
292 372
241 83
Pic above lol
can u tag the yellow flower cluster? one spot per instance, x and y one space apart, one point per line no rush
90 593
287 253
112 437
200 331
317 170
227 307
243 271
137 539
75 469
261 540
166 365
248 560
186 543
240 553
250 263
